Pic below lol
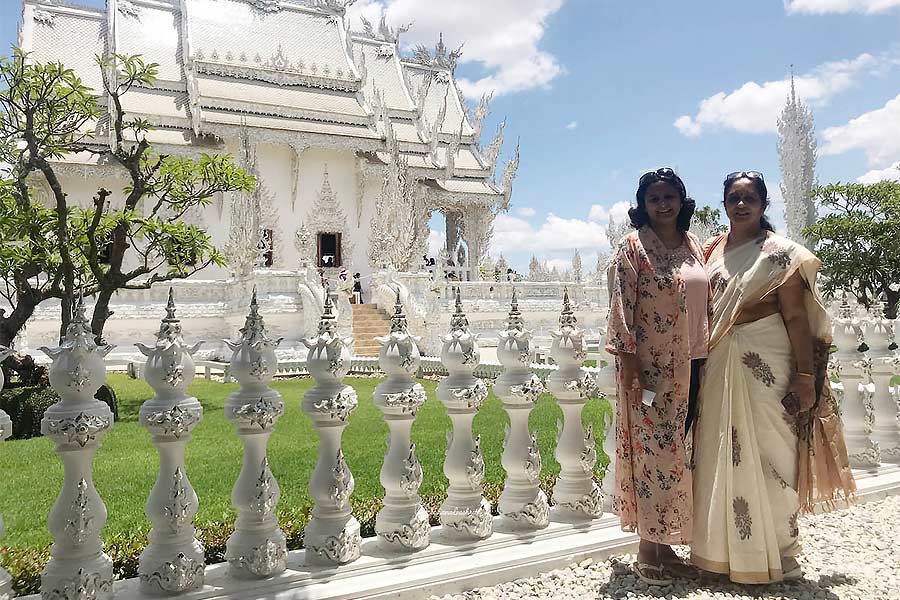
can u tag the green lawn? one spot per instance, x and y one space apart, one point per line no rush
125 466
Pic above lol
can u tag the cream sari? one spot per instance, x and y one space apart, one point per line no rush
756 466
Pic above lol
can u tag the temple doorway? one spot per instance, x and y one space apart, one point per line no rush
329 250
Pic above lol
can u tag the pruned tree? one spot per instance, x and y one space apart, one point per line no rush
707 222
58 249
858 243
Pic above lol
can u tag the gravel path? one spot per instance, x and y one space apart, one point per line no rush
848 555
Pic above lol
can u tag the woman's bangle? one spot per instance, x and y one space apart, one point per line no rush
804 374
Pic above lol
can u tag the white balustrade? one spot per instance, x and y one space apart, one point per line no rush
850 364
6 590
402 524
257 548
174 560
332 534
885 428
575 494
606 386
78 565
466 513
522 503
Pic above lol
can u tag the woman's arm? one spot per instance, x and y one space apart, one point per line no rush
792 303
623 299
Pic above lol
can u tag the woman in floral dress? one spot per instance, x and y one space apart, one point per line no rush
768 440
658 330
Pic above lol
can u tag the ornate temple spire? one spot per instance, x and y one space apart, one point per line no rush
480 112
567 316
398 319
458 322
797 156
515 321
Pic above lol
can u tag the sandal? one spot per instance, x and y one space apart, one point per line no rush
651 574
679 568
791 569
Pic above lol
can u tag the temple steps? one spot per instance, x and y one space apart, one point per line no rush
368 323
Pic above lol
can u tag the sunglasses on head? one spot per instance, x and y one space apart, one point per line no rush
744 174
664 173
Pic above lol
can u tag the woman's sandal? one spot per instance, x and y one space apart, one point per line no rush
679 568
651 574
791 569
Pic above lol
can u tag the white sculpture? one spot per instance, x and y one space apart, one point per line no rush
522 503
606 385
466 513
885 429
332 534
173 562
257 548
575 493
797 155
850 364
403 522
76 423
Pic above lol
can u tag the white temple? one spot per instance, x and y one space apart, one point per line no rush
354 147
324 116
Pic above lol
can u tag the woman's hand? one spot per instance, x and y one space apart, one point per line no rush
631 381
803 386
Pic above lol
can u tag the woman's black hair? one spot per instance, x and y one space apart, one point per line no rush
759 184
638 214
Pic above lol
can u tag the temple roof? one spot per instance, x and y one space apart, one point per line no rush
288 68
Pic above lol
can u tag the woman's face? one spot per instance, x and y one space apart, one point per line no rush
663 204
743 204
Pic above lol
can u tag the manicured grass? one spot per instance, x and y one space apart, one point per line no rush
125 466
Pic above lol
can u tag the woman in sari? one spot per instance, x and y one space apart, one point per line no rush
768 442
658 330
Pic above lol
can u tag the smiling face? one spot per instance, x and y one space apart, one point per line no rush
663 204
743 204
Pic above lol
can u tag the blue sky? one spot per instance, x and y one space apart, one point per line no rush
600 91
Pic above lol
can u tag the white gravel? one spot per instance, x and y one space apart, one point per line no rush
848 555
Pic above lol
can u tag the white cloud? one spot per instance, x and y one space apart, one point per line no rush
555 234
892 173
876 132
820 7
572 125
502 36
525 211
754 107
601 214
436 242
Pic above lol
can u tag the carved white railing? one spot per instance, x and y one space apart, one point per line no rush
173 562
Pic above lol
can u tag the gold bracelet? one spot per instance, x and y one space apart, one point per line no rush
804 374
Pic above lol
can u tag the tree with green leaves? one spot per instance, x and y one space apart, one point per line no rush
707 222
858 241
56 249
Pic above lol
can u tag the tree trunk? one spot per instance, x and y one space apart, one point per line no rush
11 325
101 313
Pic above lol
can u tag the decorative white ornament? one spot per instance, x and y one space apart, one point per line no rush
797 156
332 534
885 428
402 524
575 494
522 503
257 548
466 513
76 423
174 560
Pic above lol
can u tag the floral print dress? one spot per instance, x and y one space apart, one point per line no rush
648 317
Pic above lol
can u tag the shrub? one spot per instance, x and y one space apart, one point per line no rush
26 405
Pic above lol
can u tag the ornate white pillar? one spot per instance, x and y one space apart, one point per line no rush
465 514
522 503
78 565
332 534
606 385
173 562
850 363
575 494
257 548
403 522
885 429
6 590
